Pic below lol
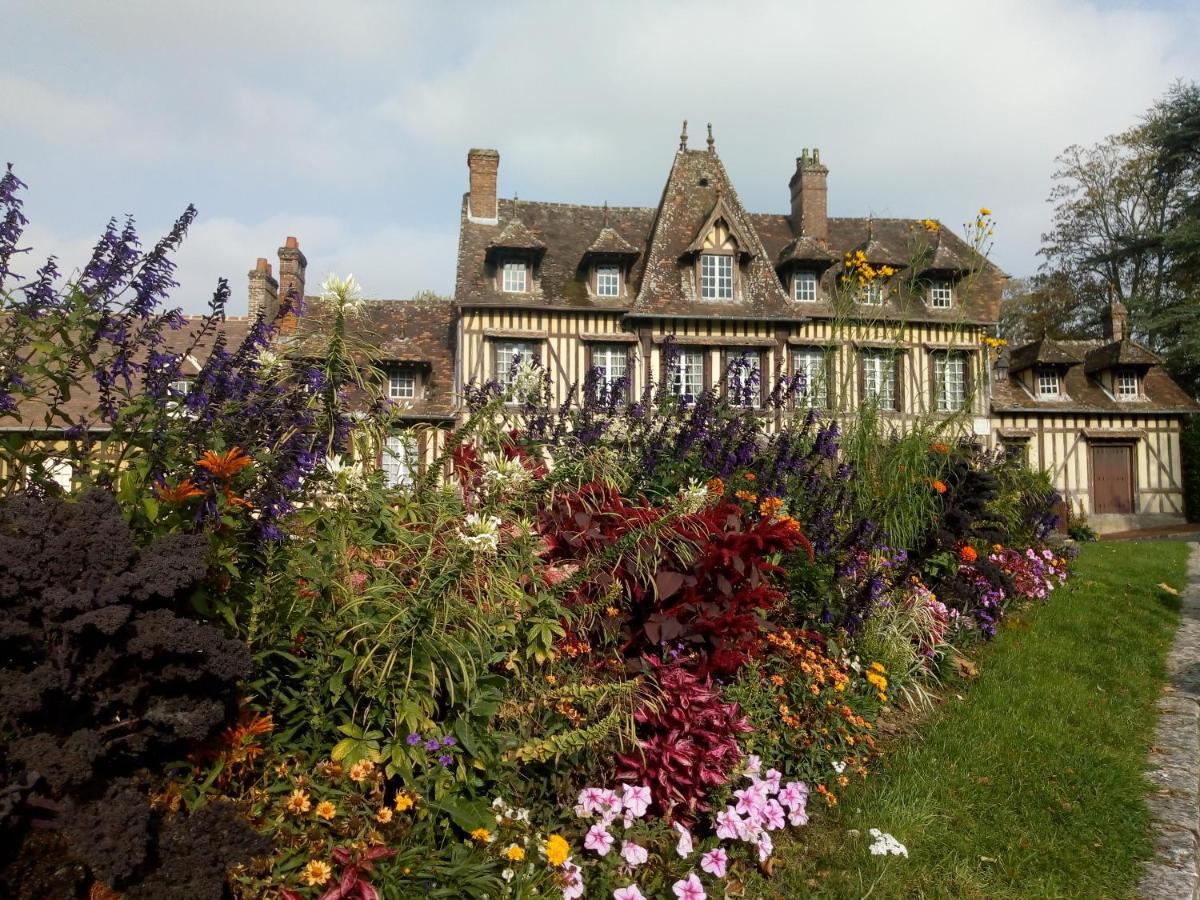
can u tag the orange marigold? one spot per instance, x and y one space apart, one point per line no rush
716 487
748 496
939 447
967 554
224 465
938 485
770 507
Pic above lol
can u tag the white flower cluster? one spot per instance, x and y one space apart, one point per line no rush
481 532
693 498
502 475
526 384
344 292
346 474
886 845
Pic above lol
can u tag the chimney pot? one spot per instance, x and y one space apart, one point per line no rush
483 165
292 266
292 243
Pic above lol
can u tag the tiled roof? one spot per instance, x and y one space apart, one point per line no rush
659 280
408 332
609 243
84 397
1083 393
515 236
1045 352
1120 353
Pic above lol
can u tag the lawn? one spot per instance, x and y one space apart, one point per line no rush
1028 780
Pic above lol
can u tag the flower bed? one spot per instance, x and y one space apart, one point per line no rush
615 651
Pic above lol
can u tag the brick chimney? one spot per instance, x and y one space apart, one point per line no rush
264 291
483 164
291 280
810 211
1116 320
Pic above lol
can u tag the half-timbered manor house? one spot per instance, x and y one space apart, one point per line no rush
608 289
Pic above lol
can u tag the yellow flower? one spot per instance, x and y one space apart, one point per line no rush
551 679
383 816
316 872
557 850
298 802
482 835
326 810
984 211
361 770
612 612
404 801
514 853
887 271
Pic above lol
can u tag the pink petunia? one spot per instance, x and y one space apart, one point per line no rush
628 893
765 846
772 780
714 861
634 854
753 766
572 881
685 846
729 824
637 799
794 794
599 840
773 816
689 888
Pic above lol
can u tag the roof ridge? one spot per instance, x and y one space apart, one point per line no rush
558 203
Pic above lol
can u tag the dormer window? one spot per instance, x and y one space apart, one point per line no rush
1048 386
514 276
805 287
871 293
941 295
608 281
402 385
1126 386
180 388
716 276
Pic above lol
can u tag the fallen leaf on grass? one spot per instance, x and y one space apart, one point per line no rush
966 668
1166 587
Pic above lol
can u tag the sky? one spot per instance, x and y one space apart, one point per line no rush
347 124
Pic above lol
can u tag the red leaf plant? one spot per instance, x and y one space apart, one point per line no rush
353 883
688 744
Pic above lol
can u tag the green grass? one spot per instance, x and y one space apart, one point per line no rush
1028 781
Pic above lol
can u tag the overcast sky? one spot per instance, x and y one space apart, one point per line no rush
347 124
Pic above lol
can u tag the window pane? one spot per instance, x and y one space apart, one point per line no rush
514 277
608 281
879 380
871 293
806 287
611 362
1127 386
402 386
716 277
941 295
399 460
744 377
950 381
510 355
688 381
1048 384
810 364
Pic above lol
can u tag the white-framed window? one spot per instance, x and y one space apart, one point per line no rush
1126 385
688 377
612 363
879 378
399 459
716 276
402 385
810 362
871 293
510 355
60 471
1047 382
514 276
950 381
180 387
743 368
805 288
941 295
608 281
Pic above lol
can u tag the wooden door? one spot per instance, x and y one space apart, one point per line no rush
1112 478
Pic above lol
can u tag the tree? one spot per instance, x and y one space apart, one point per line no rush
1045 305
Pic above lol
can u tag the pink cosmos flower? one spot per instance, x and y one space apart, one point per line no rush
634 854
637 799
598 839
714 861
773 816
689 888
628 893
729 824
684 847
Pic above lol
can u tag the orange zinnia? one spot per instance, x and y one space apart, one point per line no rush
939 447
224 465
938 485
185 490
967 554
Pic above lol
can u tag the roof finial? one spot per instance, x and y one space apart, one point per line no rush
712 145
683 136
